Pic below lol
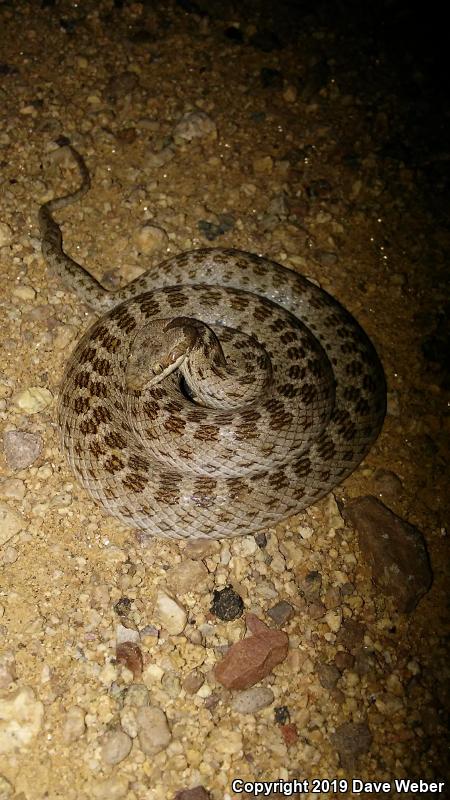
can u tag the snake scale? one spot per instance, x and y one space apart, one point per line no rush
216 394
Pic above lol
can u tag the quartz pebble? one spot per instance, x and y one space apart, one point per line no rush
153 731
170 613
195 125
21 448
150 239
5 235
252 700
33 400
21 716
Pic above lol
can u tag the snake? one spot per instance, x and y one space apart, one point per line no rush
216 394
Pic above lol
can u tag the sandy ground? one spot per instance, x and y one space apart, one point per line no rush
305 155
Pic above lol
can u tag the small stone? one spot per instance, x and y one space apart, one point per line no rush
201 548
227 604
282 715
289 733
225 742
11 522
364 662
394 549
153 730
21 717
252 700
123 606
261 539
195 125
351 740
344 660
130 655
21 448
290 93
310 586
128 721
351 634
150 239
115 746
263 165
250 660
388 484
115 788
6 790
6 237
7 668
12 489
332 597
316 610
193 681
136 695
25 293
170 613
281 613
33 400
126 634
333 618
189 576
328 675
197 793
74 725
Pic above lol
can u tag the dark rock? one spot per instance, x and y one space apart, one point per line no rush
350 634
328 675
197 793
311 585
122 607
351 740
394 549
130 655
227 604
281 612
282 715
365 662
344 660
316 610
261 539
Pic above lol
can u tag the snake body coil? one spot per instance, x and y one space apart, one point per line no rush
217 394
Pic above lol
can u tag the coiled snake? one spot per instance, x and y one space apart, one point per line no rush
217 394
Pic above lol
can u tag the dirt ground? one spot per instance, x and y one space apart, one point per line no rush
314 139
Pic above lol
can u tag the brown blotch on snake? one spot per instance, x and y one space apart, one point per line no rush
288 410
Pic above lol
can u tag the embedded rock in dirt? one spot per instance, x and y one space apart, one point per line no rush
251 659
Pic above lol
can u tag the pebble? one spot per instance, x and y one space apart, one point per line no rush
250 660
170 613
74 724
252 700
130 655
25 293
289 733
333 618
225 742
388 484
33 400
153 731
115 788
282 715
126 634
351 634
115 746
136 695
195 125
196 793
21 716
344 660
7 669
12 488
193 681
394 550
21 448
6 237
11 522
316 610
328 675
150 238
227 604
281 613
188 576
310 585
351 740
201 548
6 789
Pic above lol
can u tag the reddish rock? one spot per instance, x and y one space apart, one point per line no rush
129 654
289 733
394 549
251 659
